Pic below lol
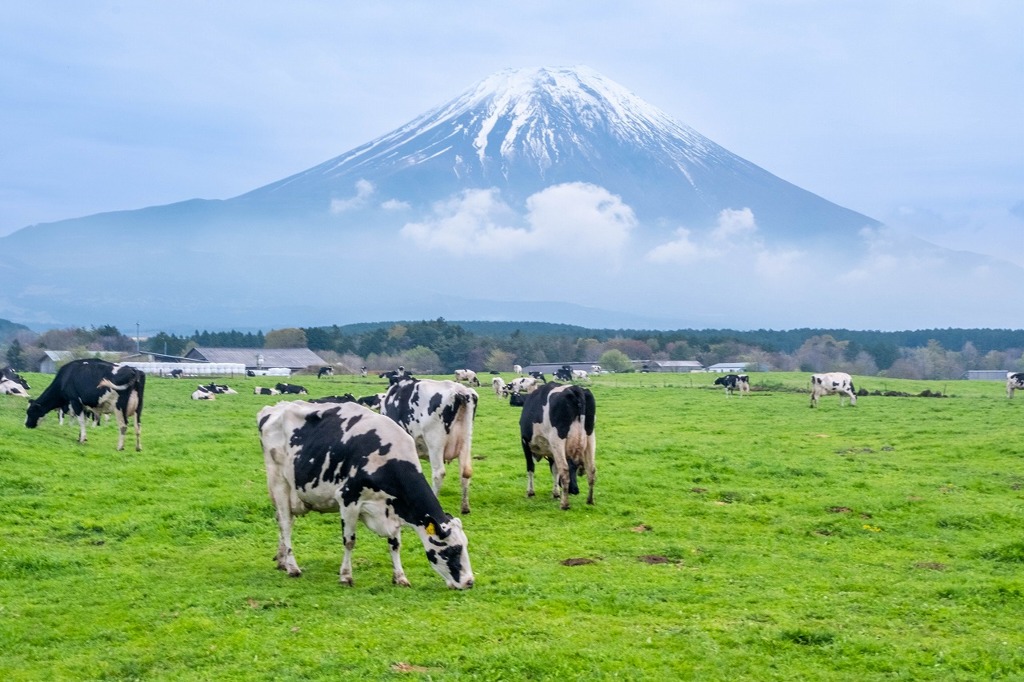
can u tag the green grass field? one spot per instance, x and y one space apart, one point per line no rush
732 539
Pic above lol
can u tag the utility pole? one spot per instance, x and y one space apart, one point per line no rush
137 349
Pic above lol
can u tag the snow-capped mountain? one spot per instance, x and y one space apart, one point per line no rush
545 194
522 130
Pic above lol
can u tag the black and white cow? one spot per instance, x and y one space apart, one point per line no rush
539 376
832 382
293 389
345 458
9 374
557 424
1014 382
8 387
177 373
371 401
347 398
218 389
466 376
523 385
11 383
734 383
324 371
564 373
203 393
259 390
439 416
499 387
394 376
97 387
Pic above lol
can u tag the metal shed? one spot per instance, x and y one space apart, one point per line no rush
259 358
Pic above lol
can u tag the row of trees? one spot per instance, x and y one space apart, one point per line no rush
438 347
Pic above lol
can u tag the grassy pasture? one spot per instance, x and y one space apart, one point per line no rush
746 538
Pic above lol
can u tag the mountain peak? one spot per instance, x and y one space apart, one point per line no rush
527 113
520 131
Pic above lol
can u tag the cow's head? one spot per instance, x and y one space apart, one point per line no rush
33 414
448 552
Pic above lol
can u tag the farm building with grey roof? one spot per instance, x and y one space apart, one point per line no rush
259 358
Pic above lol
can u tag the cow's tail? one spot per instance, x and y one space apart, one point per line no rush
460 443
576 441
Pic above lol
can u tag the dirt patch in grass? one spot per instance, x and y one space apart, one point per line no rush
403 667
839 510
930 565
656 559
642 528
577 561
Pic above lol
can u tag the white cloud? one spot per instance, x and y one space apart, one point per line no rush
734 225
569 219
680 250
395 205
475 222
364 190
735 237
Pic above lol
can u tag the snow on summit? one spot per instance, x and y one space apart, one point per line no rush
519 132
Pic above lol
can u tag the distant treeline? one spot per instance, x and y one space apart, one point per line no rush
770 340
437 346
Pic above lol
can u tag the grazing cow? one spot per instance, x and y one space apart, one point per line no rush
580 374
325 371
294 389
522 385
362 371
468 376
177 373
564 373
98 387
204 393
539 376
439 416
832 382
499 387
517 369
345 458
1014 382
557 424
733 383
8 374
258 390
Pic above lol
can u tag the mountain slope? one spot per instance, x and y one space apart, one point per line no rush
546 194
523 130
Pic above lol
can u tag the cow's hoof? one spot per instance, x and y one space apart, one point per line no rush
347 582
401 582
465 509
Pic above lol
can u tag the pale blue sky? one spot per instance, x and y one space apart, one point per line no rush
910 112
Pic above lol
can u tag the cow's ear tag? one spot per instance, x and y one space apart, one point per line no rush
431 530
